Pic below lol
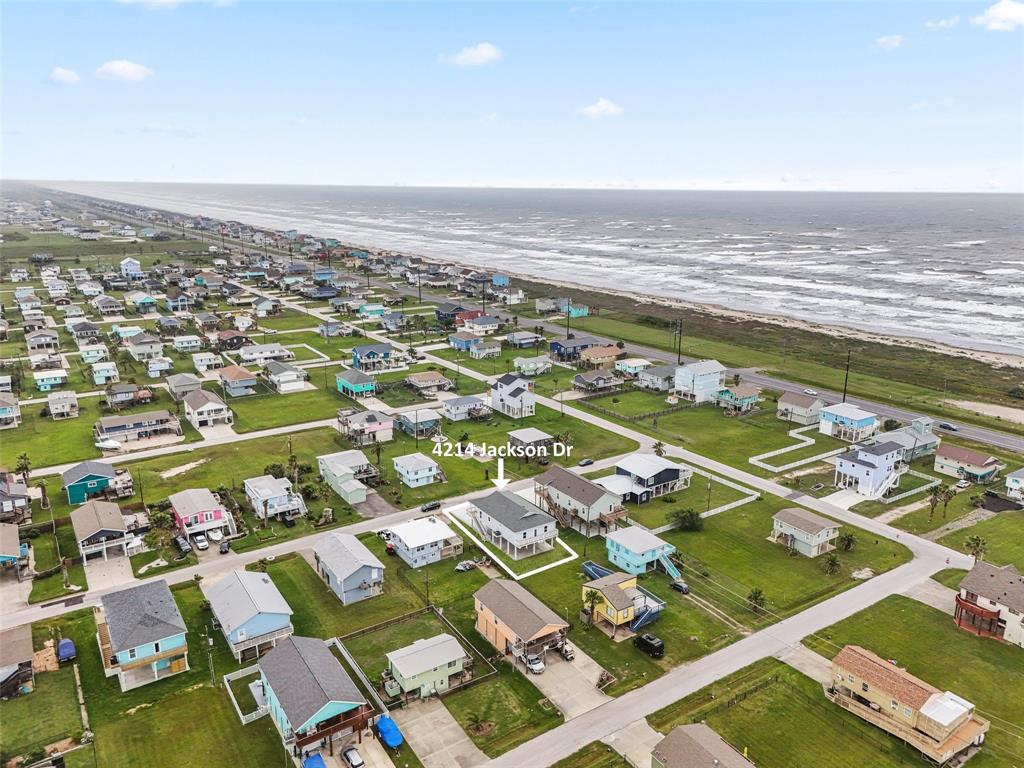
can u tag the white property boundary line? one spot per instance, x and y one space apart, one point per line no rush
453 515
804 441
748 496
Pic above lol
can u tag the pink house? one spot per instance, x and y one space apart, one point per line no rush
367 427
197 510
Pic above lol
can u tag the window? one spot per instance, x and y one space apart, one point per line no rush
907 712
850 678
132 653
156 647
894 704
864 687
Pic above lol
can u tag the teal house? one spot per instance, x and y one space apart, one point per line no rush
87 479
428 666
309 696
636 550
355 384
739 398
141 635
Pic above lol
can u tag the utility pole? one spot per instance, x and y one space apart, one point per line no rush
568 312
679 341
846 379
419 284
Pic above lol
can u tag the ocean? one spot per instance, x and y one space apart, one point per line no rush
947 268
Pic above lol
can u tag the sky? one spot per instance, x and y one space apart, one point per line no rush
724 95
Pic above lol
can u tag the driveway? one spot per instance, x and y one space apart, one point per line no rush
803 659
843 499
570 685
436 737
372 751
635 742
938 596
113 572
374 506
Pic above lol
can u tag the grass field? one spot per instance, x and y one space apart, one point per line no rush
655 513
929 645
782 719
734 552
595 755
45 716
555 380
688 631
268 409
1004 534
287 320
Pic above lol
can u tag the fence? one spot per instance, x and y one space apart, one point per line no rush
249 717
920 489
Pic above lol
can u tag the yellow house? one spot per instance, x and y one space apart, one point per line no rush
616 591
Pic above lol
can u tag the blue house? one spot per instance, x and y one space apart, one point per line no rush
421 422
464 340
569 349
350 570
87 479
575 310
499 281
355 384
309 696
372 357
252 613
176 301
141 635
847 422
323 274
641 477
636 550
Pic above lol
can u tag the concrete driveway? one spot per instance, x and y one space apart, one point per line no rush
436 737
113 572
570 685
843 499
635 742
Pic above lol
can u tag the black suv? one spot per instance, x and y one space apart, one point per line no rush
649 644
430 506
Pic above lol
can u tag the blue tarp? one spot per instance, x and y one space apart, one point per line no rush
314 761
65 649
389 733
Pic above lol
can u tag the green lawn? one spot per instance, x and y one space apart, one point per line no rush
555 380
687 630
736 556
1004 534
336 348
596 754
45 716
782 719
170 554
655 513
706 430
950 577
268 409
45 547
368 649
287 320
925 641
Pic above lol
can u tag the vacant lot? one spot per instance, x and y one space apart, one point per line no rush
929 645
45 716
1003 533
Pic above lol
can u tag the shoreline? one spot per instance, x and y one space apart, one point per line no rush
989 357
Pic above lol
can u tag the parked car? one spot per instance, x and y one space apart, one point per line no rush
225 547
963 484
430 506
182 544
215 535
649 644
352 757
288 522
586 462
384 534
567 652
465 565
201 542
680 586
948 427
534 664
810 391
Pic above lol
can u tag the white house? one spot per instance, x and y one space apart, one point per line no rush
513 396
481 326
187 343
143 347
205 409
991 603
1015 485
263 353
273 497
871 470
804 532
699 381
423 541
514 525
285 378
206 361
461 408
344 472
131 268
416 469
798 408
660 378
532 366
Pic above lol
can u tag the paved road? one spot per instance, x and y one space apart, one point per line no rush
574 734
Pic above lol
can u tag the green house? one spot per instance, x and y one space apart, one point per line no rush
87 479
427 667
355 384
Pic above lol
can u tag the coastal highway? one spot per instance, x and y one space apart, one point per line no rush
991 437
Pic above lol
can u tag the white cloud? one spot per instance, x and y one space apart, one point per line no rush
1004 16
601 108
122 69
62 76
889 42
917 106
948 23
474 55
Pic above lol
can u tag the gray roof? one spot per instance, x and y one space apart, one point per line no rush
199 397
241 595
513 512
141 338
368 417
697 746
661 371
517 608
425 654
16 645
305 676
575 486
803 520
344 554
140 615
880 449
352 376
193 501
86 468
1005 585
95 516
182 379
469 400
276 367
799 400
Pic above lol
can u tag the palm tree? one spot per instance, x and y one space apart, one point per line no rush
755 600
591 598
846 541
976 546
659 448
933 501
475 721
125 360
44 498
947 495
23 467
831 564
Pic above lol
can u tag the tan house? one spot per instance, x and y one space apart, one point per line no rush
974 466
941 725
803 531
696 746
600 357
514 621
428 382
991 603
798 408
